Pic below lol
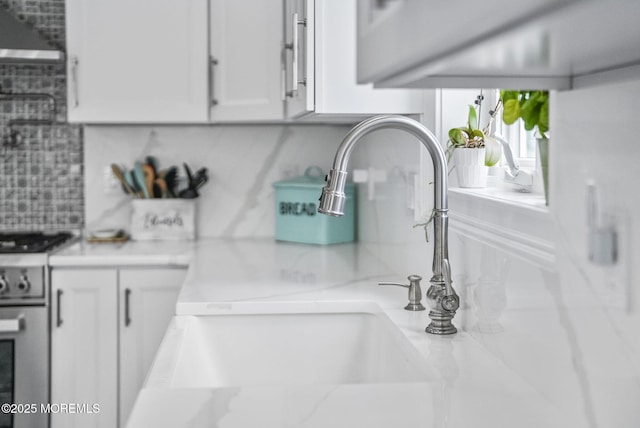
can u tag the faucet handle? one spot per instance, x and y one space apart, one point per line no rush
450 301
415 292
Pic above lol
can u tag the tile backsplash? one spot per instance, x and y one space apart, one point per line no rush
41 179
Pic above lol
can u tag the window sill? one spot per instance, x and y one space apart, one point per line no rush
506 196
503 218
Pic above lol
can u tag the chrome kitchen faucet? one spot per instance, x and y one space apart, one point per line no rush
441 297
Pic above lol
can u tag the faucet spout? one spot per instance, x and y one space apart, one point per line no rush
333 199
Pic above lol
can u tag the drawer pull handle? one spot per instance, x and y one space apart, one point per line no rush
58 308
127 314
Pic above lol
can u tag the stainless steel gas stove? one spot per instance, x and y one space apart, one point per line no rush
24 326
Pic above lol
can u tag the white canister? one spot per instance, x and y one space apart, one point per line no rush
163 219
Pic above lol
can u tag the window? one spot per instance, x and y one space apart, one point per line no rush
521 141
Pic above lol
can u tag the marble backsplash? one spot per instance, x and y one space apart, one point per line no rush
570 328
243 162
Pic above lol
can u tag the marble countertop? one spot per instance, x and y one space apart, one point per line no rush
130 253
471 387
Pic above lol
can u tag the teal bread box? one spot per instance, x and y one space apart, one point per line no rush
297 217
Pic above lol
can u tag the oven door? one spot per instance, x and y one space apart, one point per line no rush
24 366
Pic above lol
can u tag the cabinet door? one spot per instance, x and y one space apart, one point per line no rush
147 304
337 91
321 57
246 37
84 345
400 42
299 57
141 61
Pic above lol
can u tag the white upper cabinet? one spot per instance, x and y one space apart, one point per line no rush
246 37
137 62
554 44
218 61
298 57
320 66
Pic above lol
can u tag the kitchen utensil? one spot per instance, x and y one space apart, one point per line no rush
152 161
139 176
200 178
119 174
149 178
188 193
131 181
187 170
160 188
171 178
200 183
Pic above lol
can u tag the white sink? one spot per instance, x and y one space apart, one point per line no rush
282 348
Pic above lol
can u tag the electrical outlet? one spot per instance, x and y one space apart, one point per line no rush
110 183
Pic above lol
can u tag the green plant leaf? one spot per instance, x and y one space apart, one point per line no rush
529 103
477 133
530 106
511 111
473 118
532 117
508 95
456 138
530 110
543 121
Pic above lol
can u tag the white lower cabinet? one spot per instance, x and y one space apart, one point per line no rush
84 345
147 304
106 326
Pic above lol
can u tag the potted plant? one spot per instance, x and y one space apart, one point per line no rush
533 108
473 151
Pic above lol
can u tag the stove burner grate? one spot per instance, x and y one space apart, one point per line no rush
31 242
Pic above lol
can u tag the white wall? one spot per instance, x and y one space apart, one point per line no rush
569 328
594 139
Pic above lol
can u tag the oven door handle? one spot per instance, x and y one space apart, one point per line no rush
12 325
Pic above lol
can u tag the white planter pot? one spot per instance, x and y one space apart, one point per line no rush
470 167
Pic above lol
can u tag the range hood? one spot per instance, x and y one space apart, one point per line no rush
19 43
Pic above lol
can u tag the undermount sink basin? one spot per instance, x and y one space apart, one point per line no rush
285 349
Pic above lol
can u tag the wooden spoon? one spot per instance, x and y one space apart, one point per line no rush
149 177
119 174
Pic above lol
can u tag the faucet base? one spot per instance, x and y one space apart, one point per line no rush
414 307
440 324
